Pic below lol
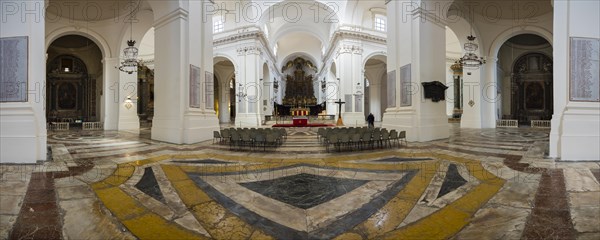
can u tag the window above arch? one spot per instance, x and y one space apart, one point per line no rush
380 22
218 24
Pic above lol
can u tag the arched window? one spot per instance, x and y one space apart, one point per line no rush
379 23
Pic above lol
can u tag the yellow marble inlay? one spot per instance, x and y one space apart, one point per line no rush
138 219
222 224
217 220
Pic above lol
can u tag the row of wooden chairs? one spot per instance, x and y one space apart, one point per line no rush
252 138
360 138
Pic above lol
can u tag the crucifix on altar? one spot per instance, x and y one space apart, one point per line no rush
340 122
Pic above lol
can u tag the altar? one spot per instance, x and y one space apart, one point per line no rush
300 121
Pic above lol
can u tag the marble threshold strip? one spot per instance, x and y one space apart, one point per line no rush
39 217
550 217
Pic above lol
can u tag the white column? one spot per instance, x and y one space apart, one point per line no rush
184 39
415 38
575 133
224 103
23 123
350 74
332 94
110 94
127 105
247 81
472 99
489 90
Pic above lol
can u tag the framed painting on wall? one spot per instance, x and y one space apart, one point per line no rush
194 86
14 66
584 76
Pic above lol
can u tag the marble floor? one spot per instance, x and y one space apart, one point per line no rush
478 184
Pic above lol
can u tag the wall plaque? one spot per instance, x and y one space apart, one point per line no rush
584 80
436 91
194 86
209 90
391 89
405 86
13 69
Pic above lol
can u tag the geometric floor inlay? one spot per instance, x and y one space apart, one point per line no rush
452 181
149 185
204 161
398 159
304 190
350 197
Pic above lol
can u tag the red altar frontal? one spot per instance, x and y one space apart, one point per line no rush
299 116
300 121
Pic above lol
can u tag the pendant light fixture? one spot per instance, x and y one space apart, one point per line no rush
470 60
130 53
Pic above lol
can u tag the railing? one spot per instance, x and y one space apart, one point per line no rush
58 126
93 126
507 123
540 123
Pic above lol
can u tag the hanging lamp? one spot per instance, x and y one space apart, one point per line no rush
470 60
130 53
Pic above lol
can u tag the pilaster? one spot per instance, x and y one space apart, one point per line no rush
248 87
110 98
415 40
183 37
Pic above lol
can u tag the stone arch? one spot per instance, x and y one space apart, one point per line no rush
514 31
88 33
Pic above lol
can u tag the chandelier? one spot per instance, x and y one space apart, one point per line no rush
470 59
130 53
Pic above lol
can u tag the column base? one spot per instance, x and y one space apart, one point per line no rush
468 123
247 120
419 129
580 137
131 124
22 139
193 128
354 119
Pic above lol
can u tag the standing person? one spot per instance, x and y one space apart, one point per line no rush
371 120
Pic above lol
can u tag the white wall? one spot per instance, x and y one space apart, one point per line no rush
23 124
575 133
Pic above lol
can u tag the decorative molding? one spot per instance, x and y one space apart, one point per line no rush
354 49
249 50
431 17
172 16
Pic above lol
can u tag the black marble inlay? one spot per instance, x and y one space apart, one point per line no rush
329 231
452 181
149 185
396 159
204 161
304 190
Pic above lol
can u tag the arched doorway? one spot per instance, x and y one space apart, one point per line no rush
73 80
224 72
145 80
525 79
375 84
531 98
